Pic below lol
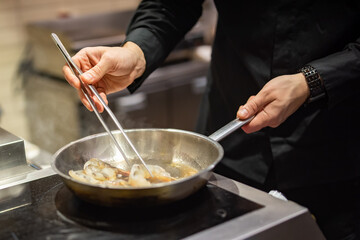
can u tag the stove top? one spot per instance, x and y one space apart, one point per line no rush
47 209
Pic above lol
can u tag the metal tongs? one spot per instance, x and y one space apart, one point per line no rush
85 90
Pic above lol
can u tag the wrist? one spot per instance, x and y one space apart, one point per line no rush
140 64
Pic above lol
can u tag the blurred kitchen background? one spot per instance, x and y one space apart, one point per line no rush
38 105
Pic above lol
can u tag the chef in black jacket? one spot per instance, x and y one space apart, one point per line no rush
295 65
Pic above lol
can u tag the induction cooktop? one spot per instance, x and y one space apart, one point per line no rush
47 209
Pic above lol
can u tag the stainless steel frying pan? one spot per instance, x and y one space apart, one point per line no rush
157 146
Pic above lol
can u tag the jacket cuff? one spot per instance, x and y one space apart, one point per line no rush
340 74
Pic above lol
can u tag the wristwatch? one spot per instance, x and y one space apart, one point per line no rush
315 83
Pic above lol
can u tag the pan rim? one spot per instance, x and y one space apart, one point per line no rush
157 185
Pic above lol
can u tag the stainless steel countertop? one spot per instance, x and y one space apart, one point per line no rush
38 166
278 219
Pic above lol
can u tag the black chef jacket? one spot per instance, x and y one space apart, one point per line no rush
256 41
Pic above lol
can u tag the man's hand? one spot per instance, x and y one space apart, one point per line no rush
108 69
275 102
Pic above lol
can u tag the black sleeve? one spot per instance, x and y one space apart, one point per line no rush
341 73
157 26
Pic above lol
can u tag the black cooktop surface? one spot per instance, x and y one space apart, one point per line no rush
46 209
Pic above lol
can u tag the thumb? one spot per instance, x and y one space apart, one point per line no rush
96 73
249 109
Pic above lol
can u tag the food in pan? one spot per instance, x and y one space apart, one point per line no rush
98 172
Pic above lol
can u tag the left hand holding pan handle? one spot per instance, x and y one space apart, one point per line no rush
276 101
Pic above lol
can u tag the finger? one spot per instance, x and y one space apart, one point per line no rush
257 123
103 96
70 77
84 100
97 103
97 72
252 106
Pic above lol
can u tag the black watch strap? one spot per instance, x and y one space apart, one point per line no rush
315 83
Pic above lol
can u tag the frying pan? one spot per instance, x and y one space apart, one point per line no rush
156 146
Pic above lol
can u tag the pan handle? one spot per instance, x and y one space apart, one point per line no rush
229 128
